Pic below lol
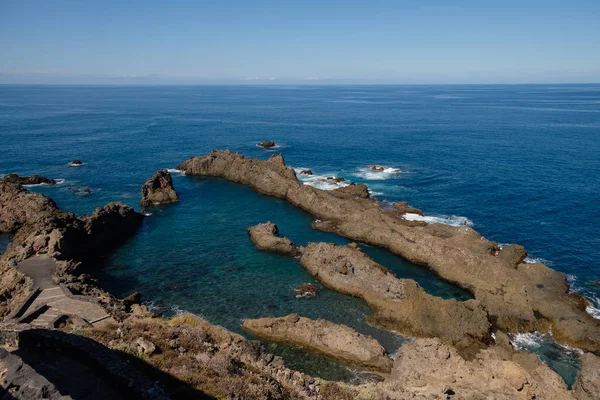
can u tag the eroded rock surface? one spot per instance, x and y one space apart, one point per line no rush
337 341
159 189
266 237
429 369
526 298
399 304
587 385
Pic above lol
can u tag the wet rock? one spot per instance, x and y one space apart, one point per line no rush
85 192
338 341
266 237
28 180
376 168
336 180
306 290
306 172
76 163
404 208
267 144
159 189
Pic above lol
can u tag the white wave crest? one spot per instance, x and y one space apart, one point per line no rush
537 260
323 182
175 171
594 308
76 165
531 341
452 220
58 182
527 341
373 175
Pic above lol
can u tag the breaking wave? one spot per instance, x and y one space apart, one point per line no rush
373 175
175 171
324 182
537 260
58 182
452 220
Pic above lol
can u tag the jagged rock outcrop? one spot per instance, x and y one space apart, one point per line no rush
352 190
399 304
28 180
266 237
526 298
337 341
41 227
513 254
159 189
587 385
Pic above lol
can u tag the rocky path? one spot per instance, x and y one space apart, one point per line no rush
52 302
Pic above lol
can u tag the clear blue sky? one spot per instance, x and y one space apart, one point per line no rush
229 41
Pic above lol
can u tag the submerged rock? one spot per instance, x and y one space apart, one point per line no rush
28 180
159 189
267 144
266 237
306 290
337 341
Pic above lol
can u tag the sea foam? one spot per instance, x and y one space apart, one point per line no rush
175 171
319 181
452 220
372 175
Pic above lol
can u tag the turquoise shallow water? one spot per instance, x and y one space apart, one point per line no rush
520 162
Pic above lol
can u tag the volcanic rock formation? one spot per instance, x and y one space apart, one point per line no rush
337 341
526 298
159 189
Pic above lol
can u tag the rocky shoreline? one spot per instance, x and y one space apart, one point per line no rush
517 296
187 357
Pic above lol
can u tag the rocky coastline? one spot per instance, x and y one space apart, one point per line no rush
187 357
517 296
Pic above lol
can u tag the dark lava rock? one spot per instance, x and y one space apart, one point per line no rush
28 180
267 144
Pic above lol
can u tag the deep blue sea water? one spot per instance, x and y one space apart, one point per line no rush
521 162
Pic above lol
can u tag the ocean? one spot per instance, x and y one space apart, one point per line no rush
520 163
